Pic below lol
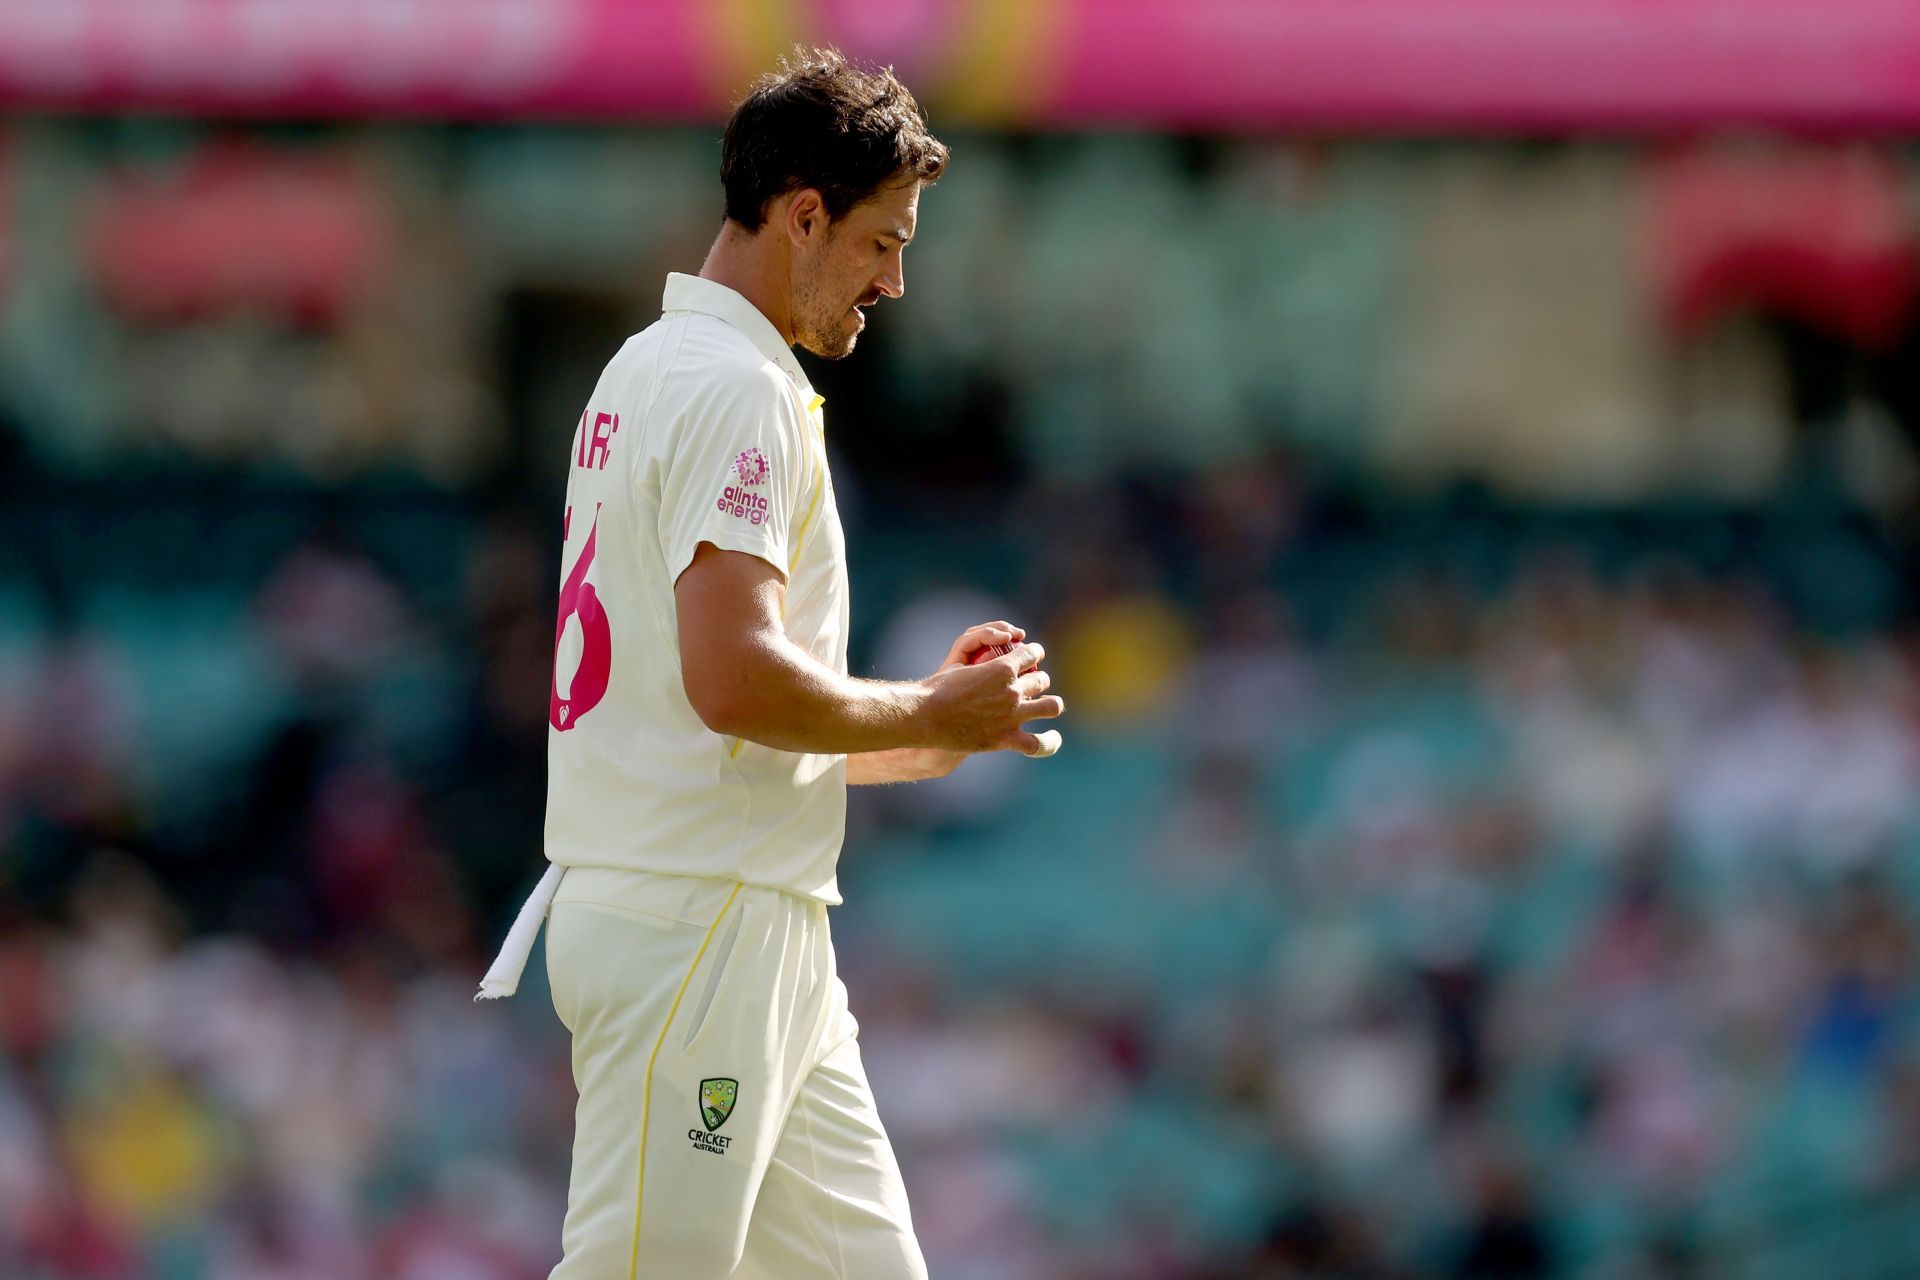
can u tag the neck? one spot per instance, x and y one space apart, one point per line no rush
752 266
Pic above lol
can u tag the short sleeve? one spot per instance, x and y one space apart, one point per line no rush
734 475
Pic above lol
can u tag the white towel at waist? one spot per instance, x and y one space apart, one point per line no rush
503 976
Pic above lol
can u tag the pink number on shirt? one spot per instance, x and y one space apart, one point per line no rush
577 596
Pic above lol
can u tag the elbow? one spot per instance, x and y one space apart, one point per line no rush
725 711
720 691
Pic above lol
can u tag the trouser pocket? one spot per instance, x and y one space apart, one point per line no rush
723 944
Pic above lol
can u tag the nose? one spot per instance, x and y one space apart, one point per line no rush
893 280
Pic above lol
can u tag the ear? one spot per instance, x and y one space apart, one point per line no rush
806 216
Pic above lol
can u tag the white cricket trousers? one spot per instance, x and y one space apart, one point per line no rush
725 1129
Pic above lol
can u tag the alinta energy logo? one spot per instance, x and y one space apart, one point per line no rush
751 466
717 1096
750 469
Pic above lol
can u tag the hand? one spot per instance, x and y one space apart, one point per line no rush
974 639
981 708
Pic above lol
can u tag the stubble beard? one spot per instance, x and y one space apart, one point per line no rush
827 335
824 341
827 345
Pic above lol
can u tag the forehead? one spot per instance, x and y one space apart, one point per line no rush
894 208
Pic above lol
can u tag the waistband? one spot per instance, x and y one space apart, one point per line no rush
693 900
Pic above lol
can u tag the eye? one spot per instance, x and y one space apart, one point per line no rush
880 245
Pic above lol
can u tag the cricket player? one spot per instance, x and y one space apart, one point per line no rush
703 729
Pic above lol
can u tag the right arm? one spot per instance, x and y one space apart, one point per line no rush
746 679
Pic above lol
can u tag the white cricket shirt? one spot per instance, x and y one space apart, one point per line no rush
702 429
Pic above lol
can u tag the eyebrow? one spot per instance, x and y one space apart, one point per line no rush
905 238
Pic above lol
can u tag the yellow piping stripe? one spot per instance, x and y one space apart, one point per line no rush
800 540
646 1085
734 752
819 487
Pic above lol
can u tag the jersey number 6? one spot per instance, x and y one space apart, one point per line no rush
578 599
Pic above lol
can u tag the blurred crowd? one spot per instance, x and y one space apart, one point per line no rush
1562 925
1437 883
1563 930
237 1036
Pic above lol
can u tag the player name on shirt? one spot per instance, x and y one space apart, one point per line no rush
596 442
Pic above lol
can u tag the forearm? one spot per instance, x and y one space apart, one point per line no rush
780 696
903 764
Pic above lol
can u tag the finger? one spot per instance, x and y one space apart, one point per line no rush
1037 746
1042 708
1033 684
986 635
1025 657
989 633
967 650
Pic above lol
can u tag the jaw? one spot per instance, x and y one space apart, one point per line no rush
840 352
832 344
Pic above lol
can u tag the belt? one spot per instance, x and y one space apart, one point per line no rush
503 976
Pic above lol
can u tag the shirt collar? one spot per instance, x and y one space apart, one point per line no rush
694 293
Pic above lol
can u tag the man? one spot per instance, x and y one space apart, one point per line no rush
703 729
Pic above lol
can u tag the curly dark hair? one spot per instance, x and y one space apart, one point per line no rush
822 122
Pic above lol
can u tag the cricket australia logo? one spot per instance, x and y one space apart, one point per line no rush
717 1097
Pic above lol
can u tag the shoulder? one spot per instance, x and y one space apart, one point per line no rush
730 377
726 406
693 349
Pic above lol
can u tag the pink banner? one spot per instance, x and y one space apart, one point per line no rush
454 58
1206 64
1491 63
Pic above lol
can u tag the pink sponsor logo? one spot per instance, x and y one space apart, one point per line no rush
744 505
751 467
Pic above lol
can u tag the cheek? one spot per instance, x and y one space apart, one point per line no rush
830 283
854 273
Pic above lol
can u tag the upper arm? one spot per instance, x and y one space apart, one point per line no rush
731 474
731 607
733 471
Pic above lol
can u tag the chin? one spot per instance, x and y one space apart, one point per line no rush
838 347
